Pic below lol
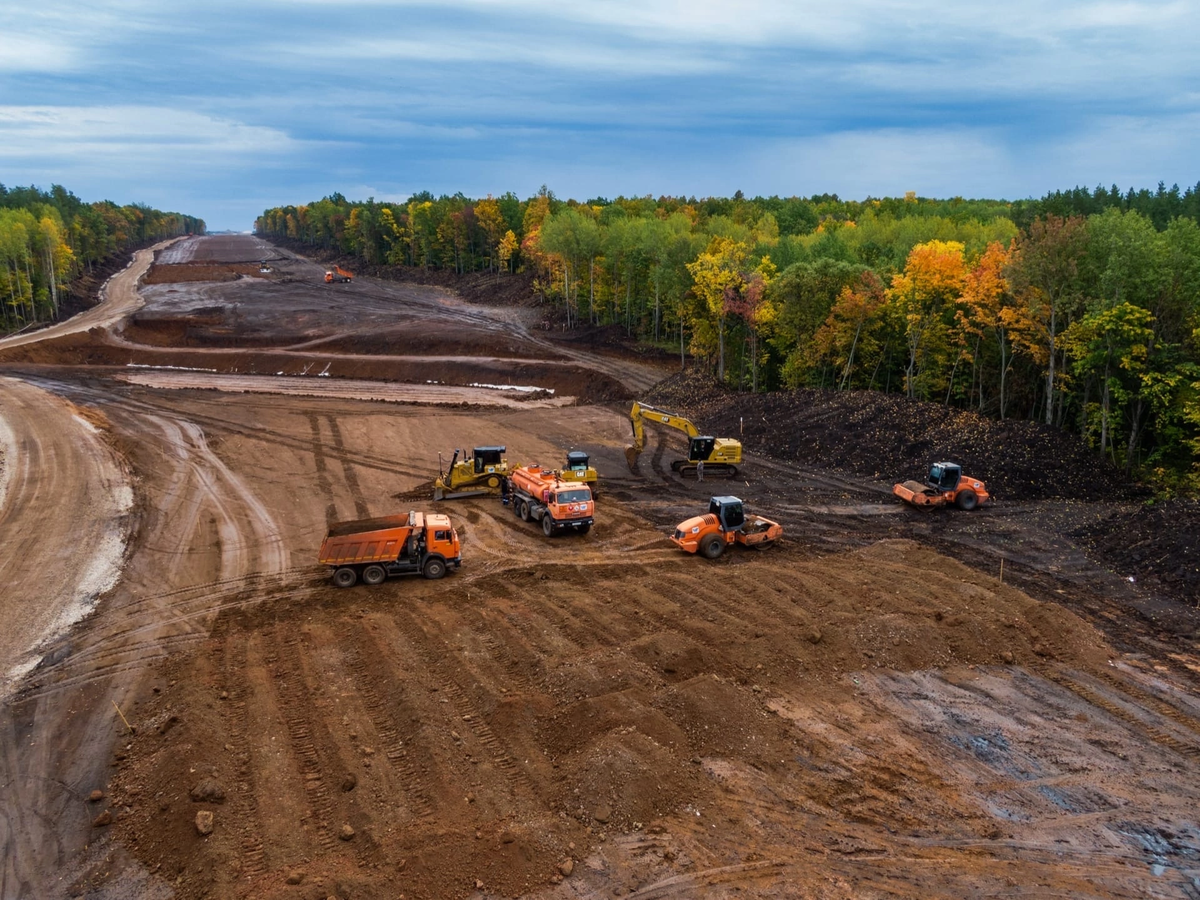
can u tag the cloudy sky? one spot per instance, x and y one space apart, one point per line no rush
221 109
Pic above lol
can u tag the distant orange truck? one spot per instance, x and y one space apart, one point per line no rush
373 549
337 274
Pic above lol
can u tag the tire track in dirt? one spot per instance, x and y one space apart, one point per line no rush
230 647
387 728
317 448
290 688
361 508
437 662
1074 683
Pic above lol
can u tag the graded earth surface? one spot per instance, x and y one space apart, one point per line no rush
887 703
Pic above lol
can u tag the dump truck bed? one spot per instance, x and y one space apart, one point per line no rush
367 540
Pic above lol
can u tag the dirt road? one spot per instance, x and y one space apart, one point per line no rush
864 711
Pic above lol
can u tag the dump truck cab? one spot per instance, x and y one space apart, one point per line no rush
725 523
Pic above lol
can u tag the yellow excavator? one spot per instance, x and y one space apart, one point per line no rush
472 476
719 456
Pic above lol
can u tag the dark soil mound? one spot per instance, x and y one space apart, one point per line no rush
1159 545
485 288
895 438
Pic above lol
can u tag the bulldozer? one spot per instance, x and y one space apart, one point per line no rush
725 523
579 469
472 476
719 457
946 485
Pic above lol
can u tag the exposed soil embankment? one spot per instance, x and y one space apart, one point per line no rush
891 437
1159 544
487 288
91 349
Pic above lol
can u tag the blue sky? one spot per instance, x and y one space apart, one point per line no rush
222 109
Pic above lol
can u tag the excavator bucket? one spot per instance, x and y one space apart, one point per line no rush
631 457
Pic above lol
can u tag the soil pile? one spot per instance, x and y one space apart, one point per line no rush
1156 544
891 437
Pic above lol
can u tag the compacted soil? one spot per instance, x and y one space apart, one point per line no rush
888 703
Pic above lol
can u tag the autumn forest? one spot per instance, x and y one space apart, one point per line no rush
48 239
1080 310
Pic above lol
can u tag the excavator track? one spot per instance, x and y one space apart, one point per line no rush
711 470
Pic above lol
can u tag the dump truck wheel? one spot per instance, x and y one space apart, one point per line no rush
344 577
967 499
374 575
523 512
547 525
434 568
712 546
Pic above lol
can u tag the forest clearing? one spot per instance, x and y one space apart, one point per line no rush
886 703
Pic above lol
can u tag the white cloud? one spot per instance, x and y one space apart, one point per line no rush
132 135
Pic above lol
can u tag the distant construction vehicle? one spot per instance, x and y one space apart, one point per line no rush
373 549
725 523
718 456
338 275
946 485
537 494
579 469
472 476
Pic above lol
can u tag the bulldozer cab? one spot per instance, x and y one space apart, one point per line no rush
944 476
488 456
728 511
577 461
701 448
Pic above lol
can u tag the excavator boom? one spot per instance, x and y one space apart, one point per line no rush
719 456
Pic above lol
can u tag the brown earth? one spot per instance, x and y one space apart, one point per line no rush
889 703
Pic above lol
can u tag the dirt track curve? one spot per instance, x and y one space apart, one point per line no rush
866 710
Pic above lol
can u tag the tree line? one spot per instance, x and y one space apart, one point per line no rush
49 238
1080 309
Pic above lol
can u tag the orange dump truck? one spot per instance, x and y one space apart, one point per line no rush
373 549
337 274
538 494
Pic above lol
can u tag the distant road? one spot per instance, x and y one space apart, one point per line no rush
119 298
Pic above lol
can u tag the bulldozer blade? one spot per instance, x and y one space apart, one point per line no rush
439 494
631 457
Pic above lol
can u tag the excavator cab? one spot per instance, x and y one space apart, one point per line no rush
488 456
701 448
944 476
729 512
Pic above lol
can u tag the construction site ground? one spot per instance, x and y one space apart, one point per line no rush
889 703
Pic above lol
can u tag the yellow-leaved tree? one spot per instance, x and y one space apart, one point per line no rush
926 294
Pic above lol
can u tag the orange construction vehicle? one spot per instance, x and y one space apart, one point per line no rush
945 486
538 494
725 523
373 549
338 275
